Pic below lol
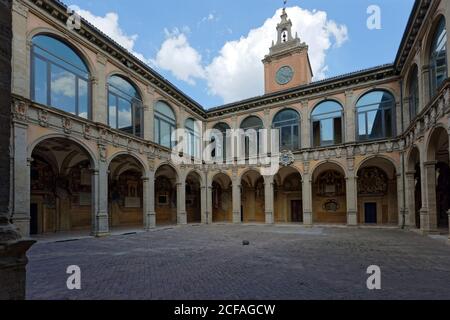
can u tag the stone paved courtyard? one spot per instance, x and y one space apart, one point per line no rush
210 262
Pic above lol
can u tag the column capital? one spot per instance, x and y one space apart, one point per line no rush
430 163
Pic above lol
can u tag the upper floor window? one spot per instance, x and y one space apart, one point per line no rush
288 123
251 126
165 125
438 57
193 140
124 106
375 118
414 93
59 78
327 124
221 147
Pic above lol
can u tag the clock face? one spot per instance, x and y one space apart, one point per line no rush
284 75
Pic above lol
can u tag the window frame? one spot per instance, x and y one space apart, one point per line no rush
162 118
393 104
125 96
433 74
278 125
321 115
48 65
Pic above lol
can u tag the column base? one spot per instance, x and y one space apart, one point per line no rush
101 225
22 224
307 218
269 218
182 218
150 221
237 218
352 219
13 261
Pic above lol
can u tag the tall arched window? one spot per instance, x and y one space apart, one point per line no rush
192 138
376 116
414 93
438 57
287 122
124 106
165 125
251 124
221 148
59 77
327 124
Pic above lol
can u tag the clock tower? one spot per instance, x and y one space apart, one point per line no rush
287 65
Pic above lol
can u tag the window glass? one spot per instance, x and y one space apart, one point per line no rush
375 116
287 121
164 122
438 57
327 124
67 86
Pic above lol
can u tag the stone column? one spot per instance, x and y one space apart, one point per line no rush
181 203
149 201
402 212
306 130
268 201
429 214
21 176
237 200
426 84
13 249
411 198
206 204
21 48
99 92
100 200
149 106
349 133
307 199
352 200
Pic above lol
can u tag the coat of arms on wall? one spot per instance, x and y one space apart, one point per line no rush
372 181
287 158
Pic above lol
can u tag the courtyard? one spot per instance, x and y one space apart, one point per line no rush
208 262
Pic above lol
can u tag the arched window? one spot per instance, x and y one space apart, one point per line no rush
124 106
221 148
165 125
327 124
376 116
192 138
59 78
438 57
414 93
252 125
287 122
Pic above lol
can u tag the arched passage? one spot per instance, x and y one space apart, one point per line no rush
438 180
126 196
329 194
288 196
193 197
61 187
222 205
252 197
377 192
166 179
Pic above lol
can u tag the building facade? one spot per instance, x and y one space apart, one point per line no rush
92 125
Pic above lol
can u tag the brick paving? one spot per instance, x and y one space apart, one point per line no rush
210 262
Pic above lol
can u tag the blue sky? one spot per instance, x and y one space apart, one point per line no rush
198 30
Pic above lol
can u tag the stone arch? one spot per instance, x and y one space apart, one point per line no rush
432 143
329 193
384 157
253 196
377 191
377 88
131 154
127 77
222 197
288 195
86 147
245 117
278 111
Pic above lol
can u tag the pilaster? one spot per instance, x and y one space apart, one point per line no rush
268 201
181 203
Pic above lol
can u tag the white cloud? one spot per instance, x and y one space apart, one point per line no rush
177 56
109 24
